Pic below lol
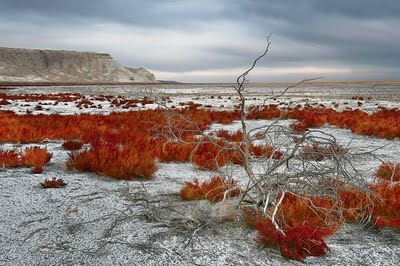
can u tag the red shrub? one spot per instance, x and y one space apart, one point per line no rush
230 136
120 162
302 241
265 151
251 216
172 151
278 155
214 155
296 243
386 210
305 220
268 112
356 204
213 190
37 169
72 145
318 212
210 156
268 234
300 126
191 191
389 171
10 159
53 183
36 157
4 102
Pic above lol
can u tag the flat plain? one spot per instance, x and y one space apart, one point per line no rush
101 221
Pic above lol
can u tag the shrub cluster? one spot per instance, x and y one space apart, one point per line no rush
296 243
122 146
116 161
384 123
34 157
216 189
305 220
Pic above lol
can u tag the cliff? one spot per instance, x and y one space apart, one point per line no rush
59 66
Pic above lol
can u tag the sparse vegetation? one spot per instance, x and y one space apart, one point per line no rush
53 183
34 157
216 189
302 194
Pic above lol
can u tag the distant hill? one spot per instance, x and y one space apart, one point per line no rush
60 66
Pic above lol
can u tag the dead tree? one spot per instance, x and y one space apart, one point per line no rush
312 162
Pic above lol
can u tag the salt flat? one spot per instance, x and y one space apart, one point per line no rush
98 221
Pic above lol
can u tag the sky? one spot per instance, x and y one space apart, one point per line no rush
216 40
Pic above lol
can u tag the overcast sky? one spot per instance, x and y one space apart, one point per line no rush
215 40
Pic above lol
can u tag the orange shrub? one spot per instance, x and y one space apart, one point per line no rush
191 191
172 151
356 204
315 211
295 243
10 159
268 234
303 241
120 162
212 190
389 171
382 204
36 157
386 210
230 136
35 128
312 117
53 183
300 126
72 145
210 156
383 123
37 169
252 215
265 151
268 112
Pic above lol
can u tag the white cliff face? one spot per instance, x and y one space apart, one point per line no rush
147 75
30 65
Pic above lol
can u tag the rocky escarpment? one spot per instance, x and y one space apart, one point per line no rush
59 66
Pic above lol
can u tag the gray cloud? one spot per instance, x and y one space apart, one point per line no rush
150 13
188 36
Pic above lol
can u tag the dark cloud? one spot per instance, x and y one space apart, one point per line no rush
186 35
149 13
359 9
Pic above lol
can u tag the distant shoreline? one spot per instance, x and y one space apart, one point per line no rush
369 83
